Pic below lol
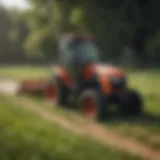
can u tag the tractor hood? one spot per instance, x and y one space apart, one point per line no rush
109 71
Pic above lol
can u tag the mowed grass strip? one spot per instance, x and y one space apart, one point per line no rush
26 136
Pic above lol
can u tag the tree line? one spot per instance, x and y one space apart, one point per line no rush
126 31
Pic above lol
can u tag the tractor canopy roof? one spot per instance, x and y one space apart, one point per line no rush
78 48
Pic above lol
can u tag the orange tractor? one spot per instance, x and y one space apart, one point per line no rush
81 81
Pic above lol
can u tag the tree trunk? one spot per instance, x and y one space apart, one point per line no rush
65 22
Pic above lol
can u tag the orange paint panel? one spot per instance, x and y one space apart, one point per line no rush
60 71
66 79
105 84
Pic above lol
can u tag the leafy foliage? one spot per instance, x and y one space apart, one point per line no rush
116 24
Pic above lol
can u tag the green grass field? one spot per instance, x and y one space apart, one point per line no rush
145 130
25 136
23 72
148 83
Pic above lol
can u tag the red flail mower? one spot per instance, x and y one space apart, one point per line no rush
82 82
33 86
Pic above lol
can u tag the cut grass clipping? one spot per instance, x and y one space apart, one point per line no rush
25 136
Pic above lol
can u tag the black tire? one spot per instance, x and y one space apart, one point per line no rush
62 96
100 102
131 103
61 91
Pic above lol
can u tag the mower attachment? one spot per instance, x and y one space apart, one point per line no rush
33 87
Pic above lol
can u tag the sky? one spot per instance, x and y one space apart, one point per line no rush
20 4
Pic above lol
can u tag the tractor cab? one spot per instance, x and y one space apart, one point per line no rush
84 51
76 52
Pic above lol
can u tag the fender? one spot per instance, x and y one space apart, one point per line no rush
102 80
103 74
60 72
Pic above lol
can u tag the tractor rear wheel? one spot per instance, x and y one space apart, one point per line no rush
57 92
93 105
62 95
131 103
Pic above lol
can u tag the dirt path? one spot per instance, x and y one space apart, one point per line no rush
92 130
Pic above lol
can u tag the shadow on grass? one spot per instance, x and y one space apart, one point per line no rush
145 119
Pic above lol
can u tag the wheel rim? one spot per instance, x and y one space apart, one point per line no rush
89 108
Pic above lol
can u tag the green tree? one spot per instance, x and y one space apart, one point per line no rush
116 24
17 35
5 44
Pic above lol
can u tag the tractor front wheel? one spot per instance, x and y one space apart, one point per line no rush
131 103
93 105
57 92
